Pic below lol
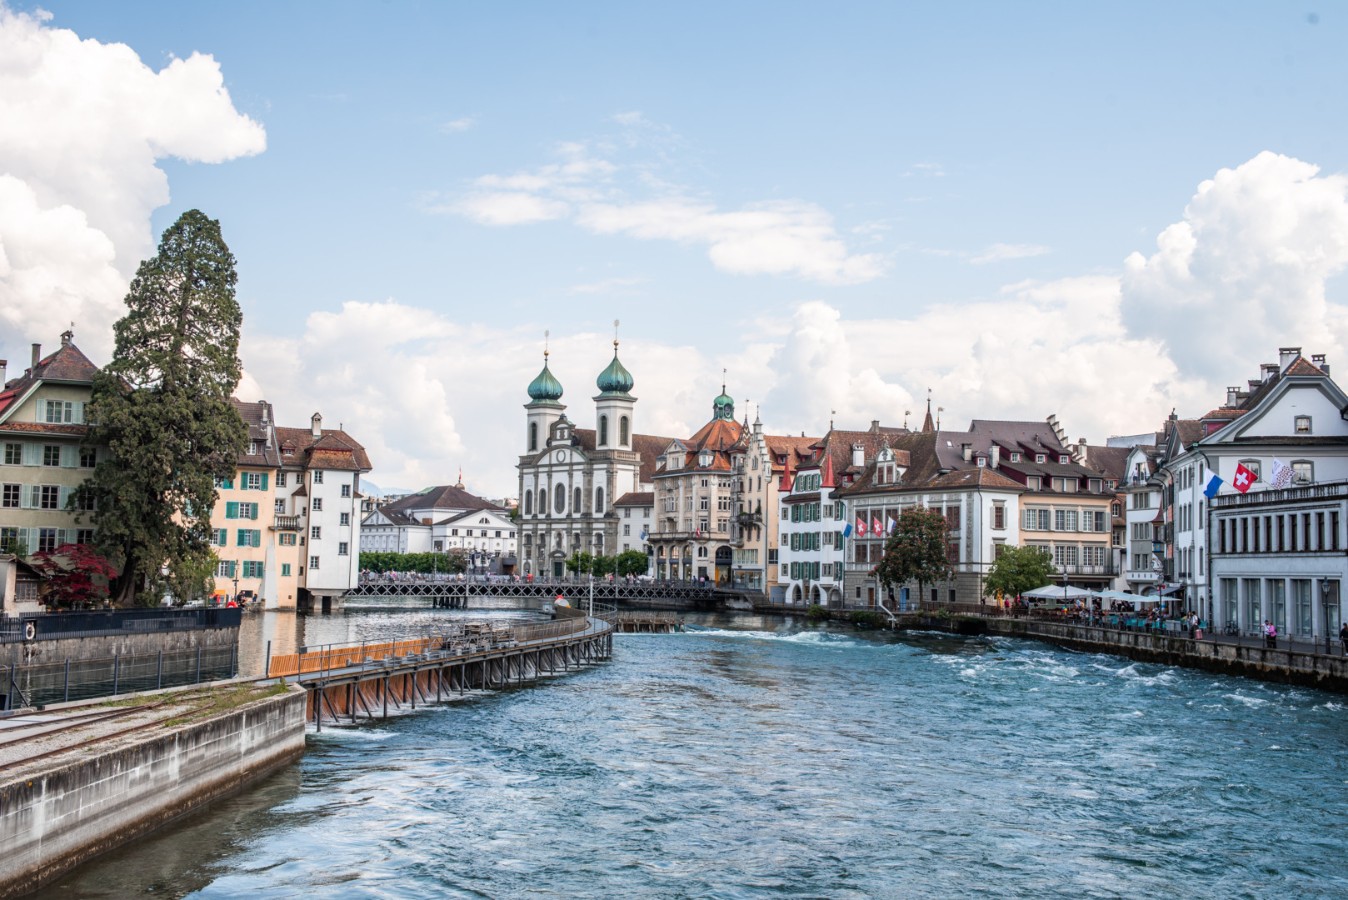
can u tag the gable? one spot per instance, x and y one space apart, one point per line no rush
1318 400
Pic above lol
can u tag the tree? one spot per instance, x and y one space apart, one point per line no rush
162 409
580 563
630 562
916 551
76 576
1020 569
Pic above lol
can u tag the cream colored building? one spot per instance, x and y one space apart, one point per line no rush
42 427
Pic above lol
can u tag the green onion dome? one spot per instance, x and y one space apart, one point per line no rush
723 407
545 387
615 379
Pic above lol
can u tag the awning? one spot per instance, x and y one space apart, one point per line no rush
1165 590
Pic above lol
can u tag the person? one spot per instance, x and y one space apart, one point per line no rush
1270 634
1343 638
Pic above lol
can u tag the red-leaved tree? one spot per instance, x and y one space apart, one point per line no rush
75 575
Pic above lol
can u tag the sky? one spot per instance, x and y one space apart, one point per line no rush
1102 212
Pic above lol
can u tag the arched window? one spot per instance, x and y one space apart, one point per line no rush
542 501
533 437
598 501
603 431
528 503
559 499
623 437
576 503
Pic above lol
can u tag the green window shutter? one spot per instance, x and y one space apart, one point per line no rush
241 537
232 509
257 537
285 570
264 481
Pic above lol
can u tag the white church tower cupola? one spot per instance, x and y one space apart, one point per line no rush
615 406
544 407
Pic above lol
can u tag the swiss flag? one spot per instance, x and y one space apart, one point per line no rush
875 525
1243 478
861 527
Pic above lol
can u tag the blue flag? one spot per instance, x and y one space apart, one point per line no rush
1214 485
847 530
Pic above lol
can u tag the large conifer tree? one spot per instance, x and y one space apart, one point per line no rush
162 409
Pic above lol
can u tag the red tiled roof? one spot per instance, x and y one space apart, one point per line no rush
1302 367
335 448
636 498
66 365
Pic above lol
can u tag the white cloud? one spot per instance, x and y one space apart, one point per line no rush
1000 252
454 126
82 125
1244 271
783 237
608 286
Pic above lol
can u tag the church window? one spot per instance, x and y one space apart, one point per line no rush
559 499
603 431
598 501
542 501
533 437
623 437
528 503
576 506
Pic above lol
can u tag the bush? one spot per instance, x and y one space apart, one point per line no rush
865 618
816 612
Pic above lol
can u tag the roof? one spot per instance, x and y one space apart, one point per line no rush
258 418
332 449
442 497
928 468
719 437
492 511
1108 461
636 498
648 446
67 365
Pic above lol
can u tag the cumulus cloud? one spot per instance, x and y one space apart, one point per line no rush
1244 270
82 125
783 237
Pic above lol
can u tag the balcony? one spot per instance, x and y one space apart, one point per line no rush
286 523
1087 570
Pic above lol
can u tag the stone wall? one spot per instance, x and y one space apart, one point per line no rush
105 646
54 819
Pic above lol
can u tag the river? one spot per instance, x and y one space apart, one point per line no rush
762 757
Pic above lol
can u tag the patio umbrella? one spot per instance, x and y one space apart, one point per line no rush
1058 592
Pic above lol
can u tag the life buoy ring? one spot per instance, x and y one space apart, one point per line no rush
29 631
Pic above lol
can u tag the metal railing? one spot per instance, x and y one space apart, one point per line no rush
80 679
51 626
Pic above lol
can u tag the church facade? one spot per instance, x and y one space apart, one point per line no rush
571 478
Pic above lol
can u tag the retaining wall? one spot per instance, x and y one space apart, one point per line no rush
53 819
105 646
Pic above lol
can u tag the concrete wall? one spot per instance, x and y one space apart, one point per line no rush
104 646
54 819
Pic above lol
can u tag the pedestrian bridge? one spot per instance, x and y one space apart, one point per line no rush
450 593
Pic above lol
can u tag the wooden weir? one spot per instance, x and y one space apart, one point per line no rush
366 681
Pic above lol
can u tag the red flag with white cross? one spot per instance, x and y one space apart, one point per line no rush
1243 478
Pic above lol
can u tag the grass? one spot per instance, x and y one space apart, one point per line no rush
222 700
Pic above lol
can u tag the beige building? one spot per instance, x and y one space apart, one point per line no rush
42 461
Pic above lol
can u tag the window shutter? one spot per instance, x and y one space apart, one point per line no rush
34 497
264 481
232 509
41 410
63 497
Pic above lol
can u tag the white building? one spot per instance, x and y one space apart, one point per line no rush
570 477
635 512
439 520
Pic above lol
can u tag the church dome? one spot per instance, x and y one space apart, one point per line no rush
615 379
723 407
545 387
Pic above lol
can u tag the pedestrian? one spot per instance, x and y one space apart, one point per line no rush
1343 638
1270 634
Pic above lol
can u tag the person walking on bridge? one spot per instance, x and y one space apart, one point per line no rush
1343 638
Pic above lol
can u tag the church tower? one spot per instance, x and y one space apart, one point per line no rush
614 407
544 406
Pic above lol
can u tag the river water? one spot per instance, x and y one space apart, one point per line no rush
761 757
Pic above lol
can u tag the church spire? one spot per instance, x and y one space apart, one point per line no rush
927 425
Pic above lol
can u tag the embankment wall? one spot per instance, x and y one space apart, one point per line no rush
51 820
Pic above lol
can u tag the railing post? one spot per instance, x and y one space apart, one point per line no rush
67 684
198 679
266 671
159 672
233 660
116 671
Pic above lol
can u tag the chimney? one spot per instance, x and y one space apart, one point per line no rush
968 451
3 364
67 337
996 456
1286 356
875 426
1319 360
1267 371
316 425
37 355
1232 397
1079 452
858 455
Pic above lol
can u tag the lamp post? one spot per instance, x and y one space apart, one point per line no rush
236 585
1324 607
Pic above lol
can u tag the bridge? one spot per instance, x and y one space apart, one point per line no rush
448 593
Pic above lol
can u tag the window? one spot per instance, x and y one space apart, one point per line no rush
219 536
533 437
1039 457
11 495
46 539
61 412
280 507
316 533
285 570
252 481
88 458
280 479
84 501
9 539
528 503
559 499
1035 520
577 504
313 562
252 568
346 490
999 515
1253 465
341 548
224 569
623 436
318 479
345 519
1303 471
603 431
51 455
84 536
248 537
1302 425
598 501
49 496
286 539
318 504
1065 555
13 454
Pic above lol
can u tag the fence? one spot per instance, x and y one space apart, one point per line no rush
81 679
116 621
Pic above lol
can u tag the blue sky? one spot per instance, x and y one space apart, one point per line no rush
1099 212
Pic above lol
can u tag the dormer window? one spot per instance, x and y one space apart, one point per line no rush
1302 425
982 462
1039 457
1063 460
704 458
1015 457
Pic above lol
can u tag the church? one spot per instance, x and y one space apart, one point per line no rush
571 479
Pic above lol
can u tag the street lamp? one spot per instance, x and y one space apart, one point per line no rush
236 585
1324 606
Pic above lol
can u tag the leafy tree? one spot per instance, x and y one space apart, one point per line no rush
580 563
76 576
452 562
162 409
916 551
603 565
630 562
1020 569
